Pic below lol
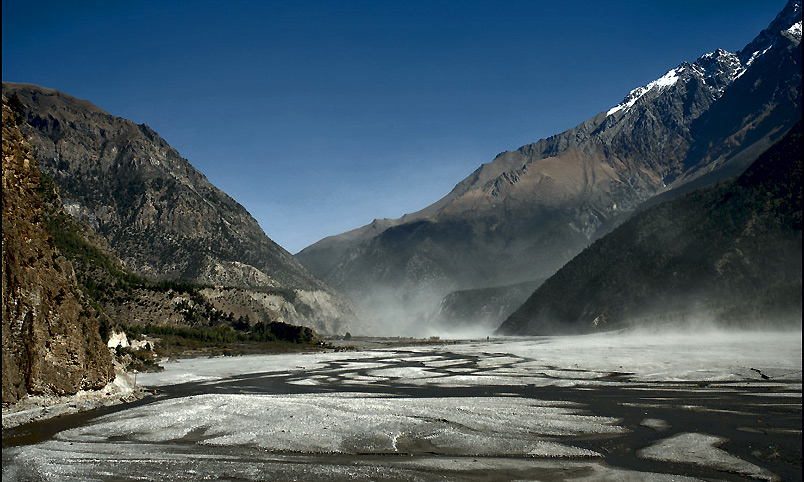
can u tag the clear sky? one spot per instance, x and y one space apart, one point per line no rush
319 116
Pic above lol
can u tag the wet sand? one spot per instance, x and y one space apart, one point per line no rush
487 410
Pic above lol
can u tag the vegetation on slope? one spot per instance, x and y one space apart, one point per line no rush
51 344
182 319
730 253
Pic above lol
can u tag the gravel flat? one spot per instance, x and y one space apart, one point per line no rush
617 406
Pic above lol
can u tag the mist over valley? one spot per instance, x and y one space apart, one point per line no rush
618 301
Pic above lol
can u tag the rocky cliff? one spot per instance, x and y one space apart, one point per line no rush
51 339
525 214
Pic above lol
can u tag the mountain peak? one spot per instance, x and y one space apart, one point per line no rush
785 27
712 66
667 80
163 215
716 69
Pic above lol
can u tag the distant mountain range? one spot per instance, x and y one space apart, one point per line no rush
527 213
728 254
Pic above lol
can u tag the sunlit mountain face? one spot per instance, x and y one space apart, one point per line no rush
522 216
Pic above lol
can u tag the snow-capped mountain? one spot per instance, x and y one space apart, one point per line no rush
717 69
786 26
525 214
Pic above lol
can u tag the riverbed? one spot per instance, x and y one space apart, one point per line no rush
614 406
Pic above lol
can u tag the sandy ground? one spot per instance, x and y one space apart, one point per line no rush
649 406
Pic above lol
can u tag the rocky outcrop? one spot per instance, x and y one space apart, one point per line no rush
529 211
51 339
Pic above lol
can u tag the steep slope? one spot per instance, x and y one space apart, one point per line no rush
730 253
480 311
163 217
51 335
130 303
525 214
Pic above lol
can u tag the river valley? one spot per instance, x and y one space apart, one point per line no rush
613 406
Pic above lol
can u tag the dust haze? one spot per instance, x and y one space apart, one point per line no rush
419 314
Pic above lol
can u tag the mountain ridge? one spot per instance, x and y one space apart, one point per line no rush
728 253
529 211
121 147
164 218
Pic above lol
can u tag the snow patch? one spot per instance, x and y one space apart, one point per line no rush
117 339
756 55
709 66
120 339
667 80
795 30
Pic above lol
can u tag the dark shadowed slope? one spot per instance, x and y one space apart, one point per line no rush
730 253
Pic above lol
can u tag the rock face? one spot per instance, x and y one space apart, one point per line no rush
729 253
525 214
166 221
163 216
51 339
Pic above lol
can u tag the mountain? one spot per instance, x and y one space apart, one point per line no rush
166 221
52 343
482 310
160 213
525 214
729 253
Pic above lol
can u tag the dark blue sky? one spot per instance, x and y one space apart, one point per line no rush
319 116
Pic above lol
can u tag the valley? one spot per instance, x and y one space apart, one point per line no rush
648 405
618 301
